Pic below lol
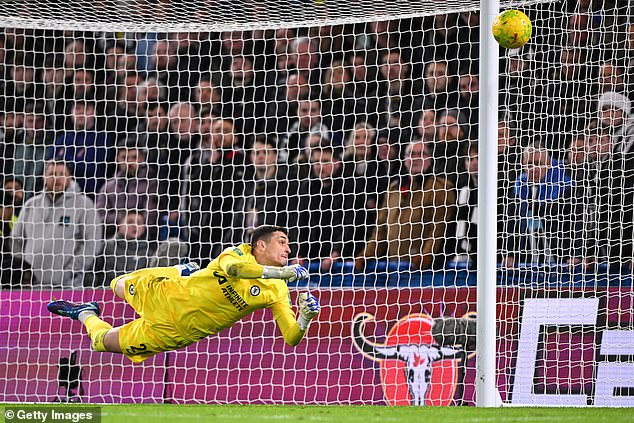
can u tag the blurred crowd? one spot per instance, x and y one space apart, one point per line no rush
122 151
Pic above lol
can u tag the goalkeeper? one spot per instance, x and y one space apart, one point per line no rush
181 305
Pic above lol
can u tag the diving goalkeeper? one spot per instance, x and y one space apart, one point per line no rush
181 305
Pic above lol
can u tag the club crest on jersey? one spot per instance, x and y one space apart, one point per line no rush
131 289
255 290
414 369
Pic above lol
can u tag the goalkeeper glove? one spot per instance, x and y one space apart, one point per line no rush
308 309
289 273
186 269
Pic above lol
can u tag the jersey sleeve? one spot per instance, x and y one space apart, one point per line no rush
285 318
227 259
231 256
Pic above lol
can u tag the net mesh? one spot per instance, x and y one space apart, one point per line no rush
139 134
216 15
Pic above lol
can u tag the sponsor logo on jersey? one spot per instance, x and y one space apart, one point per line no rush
131 289
255 290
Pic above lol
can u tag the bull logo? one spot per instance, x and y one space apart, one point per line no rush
418 364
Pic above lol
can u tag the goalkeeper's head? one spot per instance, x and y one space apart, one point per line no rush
269 245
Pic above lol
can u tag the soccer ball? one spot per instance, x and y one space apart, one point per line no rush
512 29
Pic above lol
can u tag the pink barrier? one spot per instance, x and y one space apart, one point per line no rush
250 363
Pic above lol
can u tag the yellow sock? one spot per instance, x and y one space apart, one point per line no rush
97 330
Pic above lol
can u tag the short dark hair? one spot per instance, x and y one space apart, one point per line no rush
264 233
13 179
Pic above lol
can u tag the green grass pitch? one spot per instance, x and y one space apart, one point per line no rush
365 414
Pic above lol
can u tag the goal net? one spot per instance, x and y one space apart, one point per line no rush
143 133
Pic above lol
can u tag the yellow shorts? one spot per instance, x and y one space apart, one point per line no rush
154 331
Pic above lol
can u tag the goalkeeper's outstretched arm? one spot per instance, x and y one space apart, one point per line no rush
246 270
293 330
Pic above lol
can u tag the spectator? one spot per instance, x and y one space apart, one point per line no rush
388 151
214 193
129 112
576 155
58 232
276 64
610 190
184 127
111 58
366 183
306 56
308 122
236 42
412 219
450 141
246 96
145 43
20 85
598 141
509 153
442 39
165 68
467 212
85 147
80 85
209 95
282 109
509 160
365 86
132 188
316 140
321 232
469 38
30 149
127 250
629 56
614 116
426 129
468 102
467 217
544 197
13 273
563 100
76 56
337 101
15 188
157 133
611 78
364 75
580 31
518 99
275 185
284 60
53 80
8 219
150 91
170 252
399 97
380 35
332 42
440 90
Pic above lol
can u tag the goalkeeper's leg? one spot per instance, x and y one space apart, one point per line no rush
118 284
104 337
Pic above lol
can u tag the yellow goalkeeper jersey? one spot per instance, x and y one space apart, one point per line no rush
210 300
